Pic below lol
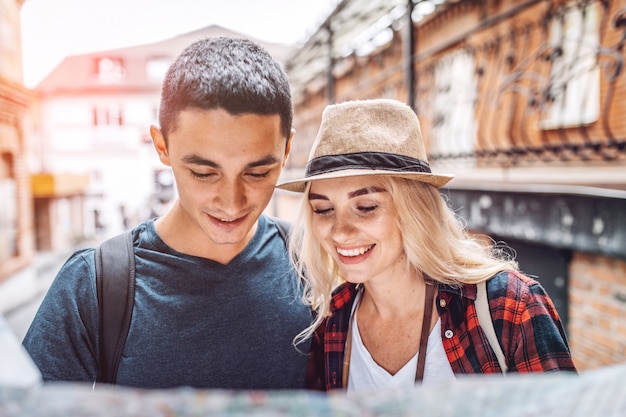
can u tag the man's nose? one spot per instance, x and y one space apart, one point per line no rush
232 195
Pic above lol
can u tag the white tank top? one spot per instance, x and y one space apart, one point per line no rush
366 374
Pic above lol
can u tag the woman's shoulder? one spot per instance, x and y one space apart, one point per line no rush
509 275
511 282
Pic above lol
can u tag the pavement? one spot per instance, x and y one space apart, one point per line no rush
20 297
22 293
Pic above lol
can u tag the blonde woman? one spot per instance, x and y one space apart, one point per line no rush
391 272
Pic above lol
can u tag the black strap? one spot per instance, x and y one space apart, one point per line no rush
115 283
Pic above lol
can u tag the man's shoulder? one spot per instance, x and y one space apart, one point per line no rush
282 225
80 260
75 279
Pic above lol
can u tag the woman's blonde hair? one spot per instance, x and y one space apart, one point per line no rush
435 241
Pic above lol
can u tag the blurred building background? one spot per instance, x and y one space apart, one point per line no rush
521 99
16 217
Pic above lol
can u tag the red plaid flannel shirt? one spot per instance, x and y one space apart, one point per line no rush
525 320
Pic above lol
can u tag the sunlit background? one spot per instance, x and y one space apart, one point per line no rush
54 29
523 100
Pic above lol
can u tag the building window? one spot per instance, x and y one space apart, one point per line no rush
453 105
8 214
574 92
156 67
107 116
110 70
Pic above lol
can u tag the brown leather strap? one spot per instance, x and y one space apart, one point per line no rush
348 349
428 313
429 297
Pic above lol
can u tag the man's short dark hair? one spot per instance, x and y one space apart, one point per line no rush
233 74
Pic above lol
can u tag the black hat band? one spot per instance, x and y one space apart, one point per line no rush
366 160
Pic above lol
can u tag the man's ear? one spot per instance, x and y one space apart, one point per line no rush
159 144
288 147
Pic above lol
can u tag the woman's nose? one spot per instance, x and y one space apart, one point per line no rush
343 225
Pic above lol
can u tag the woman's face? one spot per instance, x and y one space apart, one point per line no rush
355 220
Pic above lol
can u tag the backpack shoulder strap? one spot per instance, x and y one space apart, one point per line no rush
115 284
486 322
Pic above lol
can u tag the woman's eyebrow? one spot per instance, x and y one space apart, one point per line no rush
365 190
351 194
313 196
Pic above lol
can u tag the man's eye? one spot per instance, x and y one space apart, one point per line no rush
259 174
199 175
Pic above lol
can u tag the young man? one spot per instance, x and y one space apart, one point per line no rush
217 304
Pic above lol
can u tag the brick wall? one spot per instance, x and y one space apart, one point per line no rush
597 325
508 45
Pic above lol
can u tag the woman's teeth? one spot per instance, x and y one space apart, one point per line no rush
355 251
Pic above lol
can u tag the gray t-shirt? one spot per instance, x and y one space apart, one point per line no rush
195 323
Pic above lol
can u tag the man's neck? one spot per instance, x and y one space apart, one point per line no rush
184 235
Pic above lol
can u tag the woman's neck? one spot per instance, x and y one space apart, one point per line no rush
399 297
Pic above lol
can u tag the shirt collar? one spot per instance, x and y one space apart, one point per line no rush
343 295
465 290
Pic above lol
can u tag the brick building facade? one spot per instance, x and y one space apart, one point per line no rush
16 218
523 100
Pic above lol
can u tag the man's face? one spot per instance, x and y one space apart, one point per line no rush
226 168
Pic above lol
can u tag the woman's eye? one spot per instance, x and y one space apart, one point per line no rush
367 208
322 210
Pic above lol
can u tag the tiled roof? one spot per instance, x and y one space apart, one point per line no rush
77 74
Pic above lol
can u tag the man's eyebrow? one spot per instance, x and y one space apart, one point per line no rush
198 160
268 160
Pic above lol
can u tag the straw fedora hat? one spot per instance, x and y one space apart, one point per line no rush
368 137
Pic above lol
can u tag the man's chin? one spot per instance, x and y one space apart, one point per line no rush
221 240
231 237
